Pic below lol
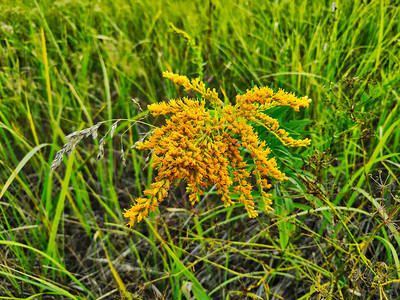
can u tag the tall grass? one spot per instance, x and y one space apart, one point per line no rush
67 65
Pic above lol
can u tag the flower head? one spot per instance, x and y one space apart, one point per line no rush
204 146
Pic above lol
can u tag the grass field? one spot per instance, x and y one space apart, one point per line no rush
67 65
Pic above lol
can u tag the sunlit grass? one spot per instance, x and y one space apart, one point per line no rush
67 65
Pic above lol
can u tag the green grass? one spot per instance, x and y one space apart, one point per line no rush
67 65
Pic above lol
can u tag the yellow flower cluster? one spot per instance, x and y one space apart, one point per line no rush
204 146
194 85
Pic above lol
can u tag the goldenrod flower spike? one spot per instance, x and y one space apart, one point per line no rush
253 104
194 85
267 96
205 149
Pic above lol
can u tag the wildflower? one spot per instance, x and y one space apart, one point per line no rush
203 145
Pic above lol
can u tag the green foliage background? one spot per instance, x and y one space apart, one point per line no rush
66 65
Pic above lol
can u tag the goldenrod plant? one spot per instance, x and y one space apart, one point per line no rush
203 143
